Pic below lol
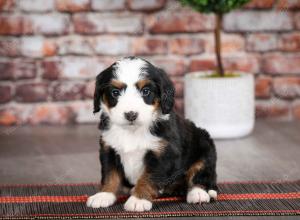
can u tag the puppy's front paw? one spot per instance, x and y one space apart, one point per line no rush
135 204
101 199
197 195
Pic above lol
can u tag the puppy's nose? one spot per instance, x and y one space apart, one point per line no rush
131 116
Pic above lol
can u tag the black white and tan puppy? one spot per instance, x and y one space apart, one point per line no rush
144 144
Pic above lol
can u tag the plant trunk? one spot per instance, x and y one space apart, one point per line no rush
219 19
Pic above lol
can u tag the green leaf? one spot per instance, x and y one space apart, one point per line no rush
214 6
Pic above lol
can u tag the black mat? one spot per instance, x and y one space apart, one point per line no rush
68 201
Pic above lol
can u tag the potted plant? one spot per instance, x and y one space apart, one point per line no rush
219 101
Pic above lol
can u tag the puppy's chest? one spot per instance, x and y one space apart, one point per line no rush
131 147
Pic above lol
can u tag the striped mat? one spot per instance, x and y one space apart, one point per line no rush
68 201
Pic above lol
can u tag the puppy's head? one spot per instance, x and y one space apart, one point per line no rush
132 92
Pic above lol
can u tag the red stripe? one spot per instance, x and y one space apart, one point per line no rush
83 198
173 213
97 184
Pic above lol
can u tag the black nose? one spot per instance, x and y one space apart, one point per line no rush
131 116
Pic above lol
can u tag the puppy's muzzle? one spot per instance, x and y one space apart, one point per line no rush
131 116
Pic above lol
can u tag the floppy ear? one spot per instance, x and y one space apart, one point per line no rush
167 92
102 81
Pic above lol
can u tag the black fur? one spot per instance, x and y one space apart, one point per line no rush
103 86
186 144
166 89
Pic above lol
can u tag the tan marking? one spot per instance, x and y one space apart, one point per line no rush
103 145
105 101
112 179
156 104
144 188
142 83
118 84
192 172
112 182
161 147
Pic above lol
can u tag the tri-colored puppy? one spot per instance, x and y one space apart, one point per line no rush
144 144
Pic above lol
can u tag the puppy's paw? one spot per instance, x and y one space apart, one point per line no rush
135 204
212 194
197 195
101 199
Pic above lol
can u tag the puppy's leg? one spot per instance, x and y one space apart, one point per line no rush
111 179
107 195
201 183
142 195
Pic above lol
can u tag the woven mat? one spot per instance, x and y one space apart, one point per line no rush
68 201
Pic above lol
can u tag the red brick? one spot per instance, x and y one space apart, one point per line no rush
36 5
89 89
179 106
14 25
75 45
248 63
148 46
108 5
19 69
146 5
32 92
7 5
296 110
89 23
49 24
178 84
180 22
247 21
81 67
287 87
260 4
288 4
111 45
186 45
230 43
73 5
9 47
83 111
24 69
51 113
204 63
281 63
297 20
263 87
290 42
172 66
261 42
38 47
6 70
5 92
8 116
272 109
51 69
68 91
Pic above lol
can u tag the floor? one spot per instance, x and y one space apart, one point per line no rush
69 154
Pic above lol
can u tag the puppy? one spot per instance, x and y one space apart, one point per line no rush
144 144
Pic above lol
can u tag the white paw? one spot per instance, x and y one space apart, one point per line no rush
213 194
135 204
101 199
197 195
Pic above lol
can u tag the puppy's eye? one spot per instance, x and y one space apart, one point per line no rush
145 91
115 93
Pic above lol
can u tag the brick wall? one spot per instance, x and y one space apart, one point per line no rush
51 51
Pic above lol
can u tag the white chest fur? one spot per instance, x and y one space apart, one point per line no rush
131 145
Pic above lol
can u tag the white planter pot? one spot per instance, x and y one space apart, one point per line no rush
222 106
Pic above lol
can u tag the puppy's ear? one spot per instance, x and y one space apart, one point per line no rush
102 81
167 92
